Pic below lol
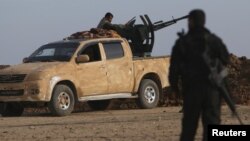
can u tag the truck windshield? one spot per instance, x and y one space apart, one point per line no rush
53 52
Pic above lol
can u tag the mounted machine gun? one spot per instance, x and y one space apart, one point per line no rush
141 37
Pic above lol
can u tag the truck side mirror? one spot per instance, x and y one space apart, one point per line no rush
82 58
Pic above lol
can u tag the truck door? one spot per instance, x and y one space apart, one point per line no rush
92 75
119 68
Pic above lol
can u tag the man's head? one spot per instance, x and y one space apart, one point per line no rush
196 18
109 16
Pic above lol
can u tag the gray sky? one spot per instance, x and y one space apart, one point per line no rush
25 25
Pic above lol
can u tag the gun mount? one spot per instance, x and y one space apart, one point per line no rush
141 37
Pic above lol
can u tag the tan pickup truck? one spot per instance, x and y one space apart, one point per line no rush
59 74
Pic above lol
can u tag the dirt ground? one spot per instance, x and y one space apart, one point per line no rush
159 124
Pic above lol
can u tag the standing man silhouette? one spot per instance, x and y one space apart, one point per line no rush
200 97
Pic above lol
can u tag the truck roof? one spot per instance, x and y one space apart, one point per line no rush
82 40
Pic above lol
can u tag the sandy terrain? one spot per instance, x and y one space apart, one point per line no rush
159 124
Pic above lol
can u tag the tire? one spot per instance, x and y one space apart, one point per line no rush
12 109
62 101
99 104
148 96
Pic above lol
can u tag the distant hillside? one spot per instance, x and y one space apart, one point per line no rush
239 79
239 83
3 66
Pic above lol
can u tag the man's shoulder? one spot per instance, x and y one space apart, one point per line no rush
213 37
215 41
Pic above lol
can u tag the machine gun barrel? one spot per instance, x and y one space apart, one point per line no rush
159 25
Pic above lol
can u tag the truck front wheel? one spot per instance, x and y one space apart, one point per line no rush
148 96
62 101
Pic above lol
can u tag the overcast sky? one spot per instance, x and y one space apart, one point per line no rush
25 25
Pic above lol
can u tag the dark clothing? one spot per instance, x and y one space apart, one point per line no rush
187 66
119 28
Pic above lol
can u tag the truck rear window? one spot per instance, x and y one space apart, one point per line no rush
113 50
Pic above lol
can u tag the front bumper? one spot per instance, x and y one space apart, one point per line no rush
24 91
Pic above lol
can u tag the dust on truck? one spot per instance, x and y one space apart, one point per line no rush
93 70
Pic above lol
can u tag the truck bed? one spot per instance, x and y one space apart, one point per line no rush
155 65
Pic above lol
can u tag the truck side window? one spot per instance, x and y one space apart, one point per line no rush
93 52
113 50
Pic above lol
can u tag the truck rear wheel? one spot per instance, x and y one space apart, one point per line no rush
62 101
12 109
148 96
99 104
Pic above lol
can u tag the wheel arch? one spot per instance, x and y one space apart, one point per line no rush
70 84
154 77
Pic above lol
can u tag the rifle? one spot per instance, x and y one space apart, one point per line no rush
217 77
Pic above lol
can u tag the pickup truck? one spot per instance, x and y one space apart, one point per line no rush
60 74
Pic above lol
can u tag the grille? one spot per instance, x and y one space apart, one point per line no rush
15 78
11 92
